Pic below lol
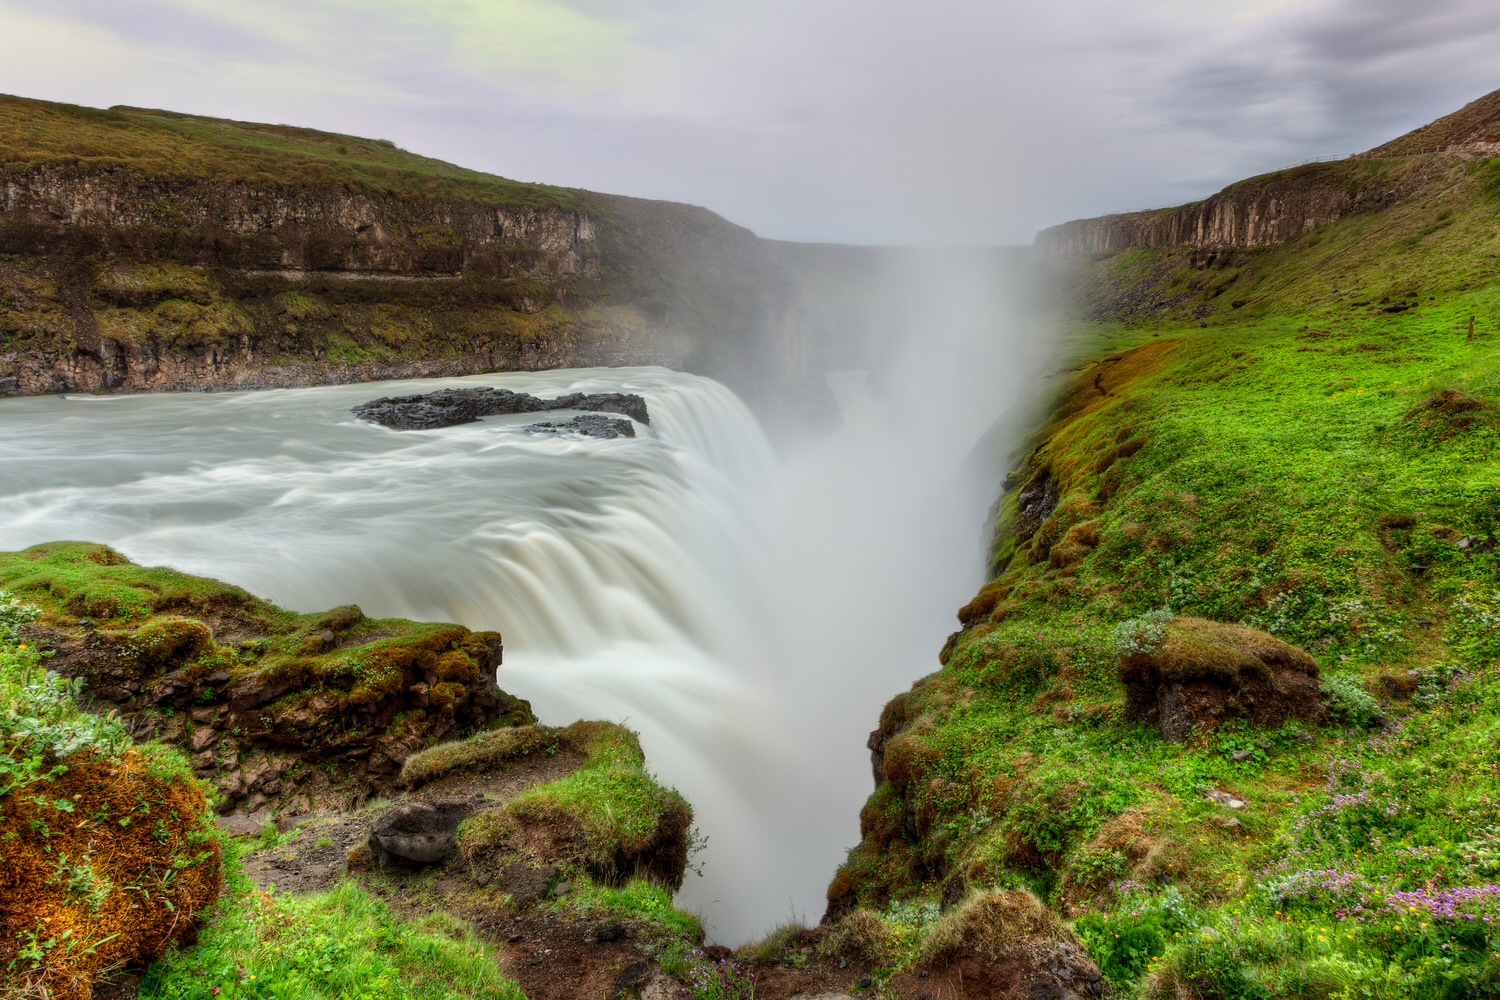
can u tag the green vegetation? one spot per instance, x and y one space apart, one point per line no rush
1296 457
106 849
339 945
165 145
608 819
645 903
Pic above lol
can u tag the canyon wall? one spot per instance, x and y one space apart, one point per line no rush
144 250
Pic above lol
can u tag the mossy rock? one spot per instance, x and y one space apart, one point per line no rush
1204 672
105 864
195 661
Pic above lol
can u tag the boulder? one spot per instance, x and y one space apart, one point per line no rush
448 407
589 425
1201 673
418 833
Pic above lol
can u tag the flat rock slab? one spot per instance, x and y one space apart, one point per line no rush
448 407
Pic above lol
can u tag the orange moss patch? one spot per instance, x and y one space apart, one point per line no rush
104 865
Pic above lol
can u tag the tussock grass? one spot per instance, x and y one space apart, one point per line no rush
482 751
609 818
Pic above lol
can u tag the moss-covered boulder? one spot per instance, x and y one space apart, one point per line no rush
277 708
105 859
1190 672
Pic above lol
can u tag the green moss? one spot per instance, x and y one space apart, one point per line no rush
618 820
490 749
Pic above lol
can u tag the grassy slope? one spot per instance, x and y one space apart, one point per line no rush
1269 457
168 145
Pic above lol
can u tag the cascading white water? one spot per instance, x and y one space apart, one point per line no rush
747 616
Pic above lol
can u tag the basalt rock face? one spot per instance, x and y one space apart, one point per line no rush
144 250
448 407
257 227
1277 207
1259 212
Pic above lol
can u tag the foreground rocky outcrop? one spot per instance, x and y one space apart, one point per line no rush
281 712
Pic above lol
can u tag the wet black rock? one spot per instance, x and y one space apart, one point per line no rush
448 407
589 425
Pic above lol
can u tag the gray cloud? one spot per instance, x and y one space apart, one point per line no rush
812 119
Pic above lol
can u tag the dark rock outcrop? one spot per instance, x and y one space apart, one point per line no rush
279 711
588 426
1203 673
448 407
417 833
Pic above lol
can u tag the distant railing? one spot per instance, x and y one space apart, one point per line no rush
1315 159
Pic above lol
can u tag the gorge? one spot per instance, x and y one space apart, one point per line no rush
1231 623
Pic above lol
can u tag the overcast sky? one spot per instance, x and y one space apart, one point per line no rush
951 121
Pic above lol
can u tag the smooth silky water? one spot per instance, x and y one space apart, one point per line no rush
747 615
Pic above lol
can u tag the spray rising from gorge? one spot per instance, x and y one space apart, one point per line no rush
748 614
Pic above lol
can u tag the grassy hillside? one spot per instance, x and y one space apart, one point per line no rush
1440 234
1303 441
168 145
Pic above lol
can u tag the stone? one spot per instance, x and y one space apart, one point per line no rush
609 932
448 407
286 824
239 825
563 888
1225 799
253 692
232 785
1240 756
417 832
591 425
203 737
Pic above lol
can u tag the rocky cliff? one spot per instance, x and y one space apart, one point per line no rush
150 250
1277 207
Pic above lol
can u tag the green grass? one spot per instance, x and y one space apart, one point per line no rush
1307 474
340 945
167 145
642 901
626 823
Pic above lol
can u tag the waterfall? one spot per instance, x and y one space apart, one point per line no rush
624 574
748 616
